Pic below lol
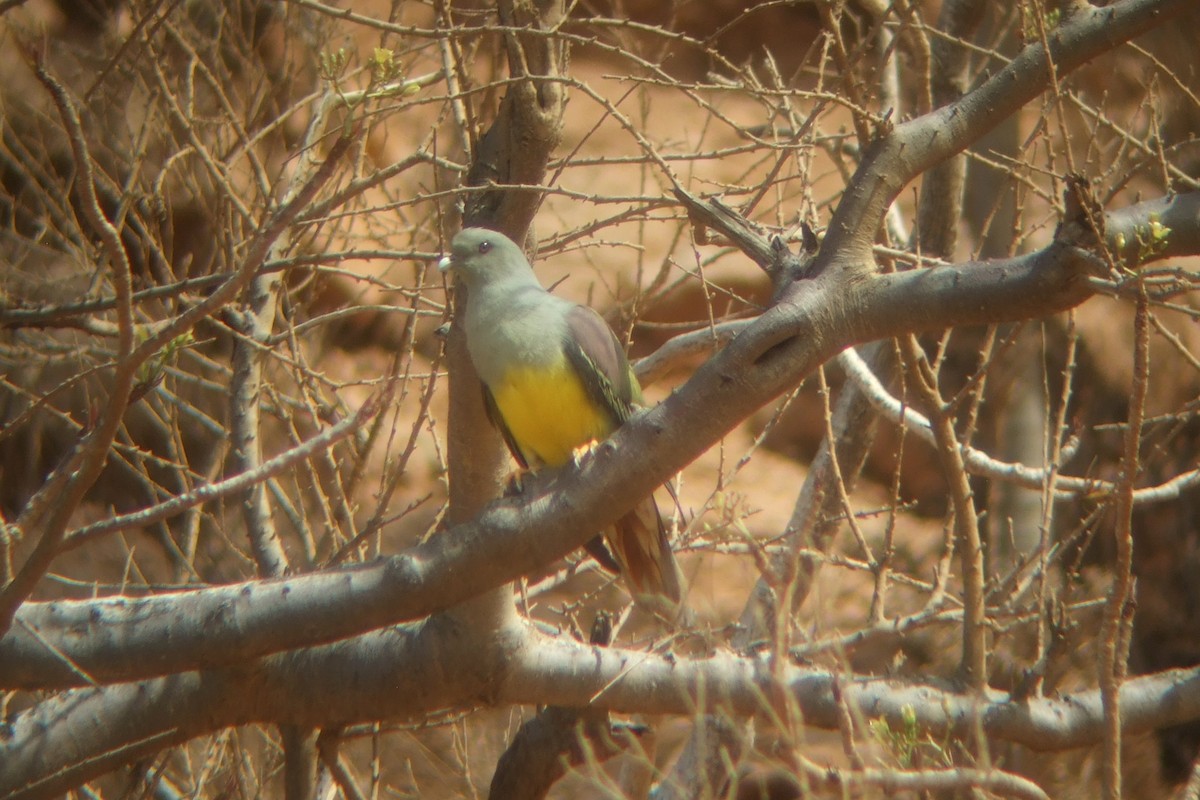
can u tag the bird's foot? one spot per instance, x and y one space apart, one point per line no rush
582 450
516 483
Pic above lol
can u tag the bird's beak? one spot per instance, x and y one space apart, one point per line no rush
445 265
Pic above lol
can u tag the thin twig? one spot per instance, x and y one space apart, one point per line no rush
1113 666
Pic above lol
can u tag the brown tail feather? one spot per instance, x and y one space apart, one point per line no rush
639 542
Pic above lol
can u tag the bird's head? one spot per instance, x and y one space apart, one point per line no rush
479 256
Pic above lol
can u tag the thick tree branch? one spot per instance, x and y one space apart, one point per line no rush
895 159
516 148
125 639
400 673
817 318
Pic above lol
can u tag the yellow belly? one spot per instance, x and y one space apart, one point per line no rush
548 412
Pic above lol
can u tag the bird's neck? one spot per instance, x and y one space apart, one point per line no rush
498 300
516 324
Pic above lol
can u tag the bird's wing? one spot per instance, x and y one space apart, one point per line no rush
638 542
599 361
497 419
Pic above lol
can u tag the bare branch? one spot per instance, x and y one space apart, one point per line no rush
62 492
1118 611
913 147
57 744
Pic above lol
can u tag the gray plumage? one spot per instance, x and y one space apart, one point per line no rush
512 323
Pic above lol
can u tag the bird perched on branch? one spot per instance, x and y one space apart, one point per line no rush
556 382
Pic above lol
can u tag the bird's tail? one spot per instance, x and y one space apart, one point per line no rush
640 545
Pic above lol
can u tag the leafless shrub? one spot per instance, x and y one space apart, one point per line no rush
252 544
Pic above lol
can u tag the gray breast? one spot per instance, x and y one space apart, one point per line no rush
507 326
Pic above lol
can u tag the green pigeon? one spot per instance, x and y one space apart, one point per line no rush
556 381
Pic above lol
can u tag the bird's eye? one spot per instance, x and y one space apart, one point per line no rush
485 246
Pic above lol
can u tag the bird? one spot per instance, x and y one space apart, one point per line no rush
556 382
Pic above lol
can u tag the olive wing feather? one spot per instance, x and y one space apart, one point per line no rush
598 358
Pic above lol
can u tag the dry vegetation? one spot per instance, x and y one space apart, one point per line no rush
251 543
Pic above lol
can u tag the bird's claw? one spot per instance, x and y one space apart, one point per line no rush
582 450
516 483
